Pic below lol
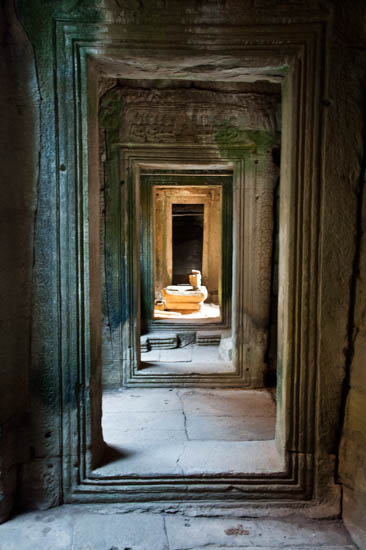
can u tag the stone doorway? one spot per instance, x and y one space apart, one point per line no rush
90 53
153 413
165 197
189 122
187 239
182 339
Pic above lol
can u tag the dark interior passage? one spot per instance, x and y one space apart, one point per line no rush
187 240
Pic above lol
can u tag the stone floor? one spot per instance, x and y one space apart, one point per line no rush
207 312
159 431
192 359
84 528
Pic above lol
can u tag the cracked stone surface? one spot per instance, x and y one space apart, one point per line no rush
193 431
82 528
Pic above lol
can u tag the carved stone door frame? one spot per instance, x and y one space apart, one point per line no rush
252 195
164 197
152 214
83 44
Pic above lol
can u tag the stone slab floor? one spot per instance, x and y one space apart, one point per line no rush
77 527
158 431
191 359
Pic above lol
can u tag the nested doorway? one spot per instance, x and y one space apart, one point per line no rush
169 420
256 50
186 224
186 227
254 176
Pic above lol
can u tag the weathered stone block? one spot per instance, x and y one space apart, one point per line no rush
40 484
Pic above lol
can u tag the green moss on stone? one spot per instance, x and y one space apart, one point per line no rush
229 134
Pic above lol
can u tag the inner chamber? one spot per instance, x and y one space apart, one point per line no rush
187 235
187 240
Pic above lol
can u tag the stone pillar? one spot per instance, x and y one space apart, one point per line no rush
254 236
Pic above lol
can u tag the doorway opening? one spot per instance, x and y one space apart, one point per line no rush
217 121
186 266
196 275
187 240
187 135
188 296
187 253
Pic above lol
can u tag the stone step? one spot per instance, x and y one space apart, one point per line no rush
158 341
208 338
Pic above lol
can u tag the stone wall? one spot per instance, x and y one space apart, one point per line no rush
348 90
19 151
352 459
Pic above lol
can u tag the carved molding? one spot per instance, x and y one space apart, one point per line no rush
275 46
194 116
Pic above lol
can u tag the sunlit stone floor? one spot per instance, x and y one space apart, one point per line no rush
158 431
207 311
192 359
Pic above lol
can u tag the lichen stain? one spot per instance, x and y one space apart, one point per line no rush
239 530
227 135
